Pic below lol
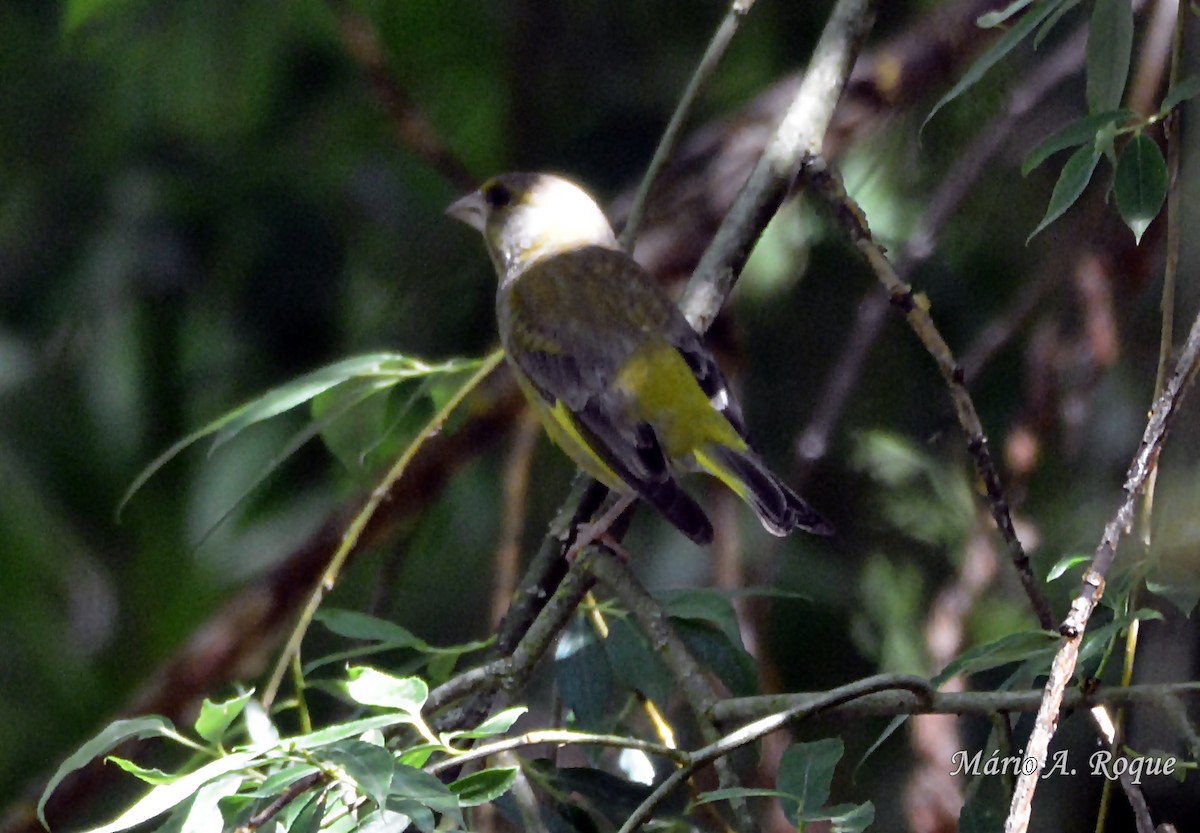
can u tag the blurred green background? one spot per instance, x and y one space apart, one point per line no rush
204 198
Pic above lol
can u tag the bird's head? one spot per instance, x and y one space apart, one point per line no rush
526 217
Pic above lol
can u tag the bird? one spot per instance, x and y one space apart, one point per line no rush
618 377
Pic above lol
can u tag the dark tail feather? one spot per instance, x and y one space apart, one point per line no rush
780 510
679 509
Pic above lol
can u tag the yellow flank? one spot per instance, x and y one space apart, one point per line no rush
560 426
662 391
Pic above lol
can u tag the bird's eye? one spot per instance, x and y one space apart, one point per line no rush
497 195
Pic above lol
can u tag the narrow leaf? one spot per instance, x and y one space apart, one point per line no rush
422 787
164 797
354 625
497 724
1007 42
1187 88
806 773
737 792
990 20
1013 647
483 786
369 766
1140 185
111 736
1075 176
215 718
390 367
851 819
1064 564
375 688
150 776
1050 22
338 731
204 815
1110 43
1079 132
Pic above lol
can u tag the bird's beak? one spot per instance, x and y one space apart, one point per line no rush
470 210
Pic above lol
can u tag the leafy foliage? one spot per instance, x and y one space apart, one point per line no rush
201 199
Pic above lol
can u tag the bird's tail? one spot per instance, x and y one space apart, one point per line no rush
683 512
780 510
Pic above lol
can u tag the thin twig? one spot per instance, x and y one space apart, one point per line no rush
765 726
353 533
558 736
281 802
800 134
826 183
511 672
697 690
670 138
890 704
942 205
1063 668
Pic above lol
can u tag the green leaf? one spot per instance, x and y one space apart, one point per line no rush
1079 132
369 766
1075 176
585 678
1182 91
384 820
353 419
338 731
990 20
204 814
806 774
1110 43
308 820
986 805
150 776
889 730
1178 583
422 818
1013 647
483 786
497 724
1140 184
166 796
113 735
418 756
705 605
386 368
635 664
851 818
1050 22
215 718
375 688
354 625
712 647
425 789
738 792
277 782
1006 43
1065 563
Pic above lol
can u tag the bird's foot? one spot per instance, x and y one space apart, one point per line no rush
597 531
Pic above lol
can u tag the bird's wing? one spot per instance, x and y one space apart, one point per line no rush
704 367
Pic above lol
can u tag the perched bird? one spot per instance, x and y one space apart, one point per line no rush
618 377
